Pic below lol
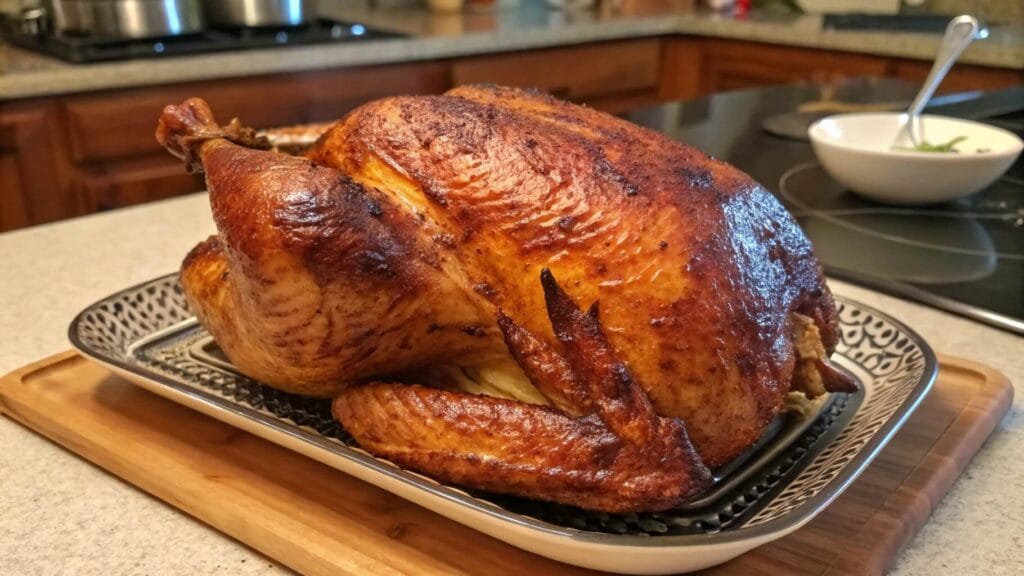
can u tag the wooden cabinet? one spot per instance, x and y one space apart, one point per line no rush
85 153
118 161
612 76
64 156
694 67
121 124
108 185
33 186
962 78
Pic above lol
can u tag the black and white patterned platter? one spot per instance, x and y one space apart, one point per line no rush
147 334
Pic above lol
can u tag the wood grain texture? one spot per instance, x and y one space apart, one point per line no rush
34 183
962 78
108 126
320 521
66 156
115 184
693 67
595 74
893 498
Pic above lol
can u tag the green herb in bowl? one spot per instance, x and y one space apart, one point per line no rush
928 147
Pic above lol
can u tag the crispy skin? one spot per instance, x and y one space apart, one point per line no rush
315 281
547 370
415 222
512 447
698 269
614 454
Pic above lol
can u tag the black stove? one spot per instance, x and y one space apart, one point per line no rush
84 49
966 257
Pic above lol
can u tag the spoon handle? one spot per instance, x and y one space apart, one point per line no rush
961 31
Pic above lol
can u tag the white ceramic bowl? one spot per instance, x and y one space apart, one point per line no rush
860 151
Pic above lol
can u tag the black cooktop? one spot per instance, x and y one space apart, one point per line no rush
82 49
966 257
921 23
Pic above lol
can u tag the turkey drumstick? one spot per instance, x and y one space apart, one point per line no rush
313 280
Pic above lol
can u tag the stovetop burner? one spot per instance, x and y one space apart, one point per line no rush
965 257
82 49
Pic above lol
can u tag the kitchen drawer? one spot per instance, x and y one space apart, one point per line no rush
121 124
962 77
695 67
34 184
134 181
579 73
732 65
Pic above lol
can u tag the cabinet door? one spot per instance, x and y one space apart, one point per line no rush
32 187
962 77
694 67
109 185
736 65
119 163
120 124
699 66
612 76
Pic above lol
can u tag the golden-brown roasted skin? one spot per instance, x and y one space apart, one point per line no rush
603 448
413 234
698 269
314 281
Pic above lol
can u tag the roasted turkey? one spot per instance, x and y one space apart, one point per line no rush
426 261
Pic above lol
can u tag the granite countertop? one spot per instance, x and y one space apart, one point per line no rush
531 25
63 515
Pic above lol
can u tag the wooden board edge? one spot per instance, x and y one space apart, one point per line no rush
271 541
19 373
919 493
10 382
930 480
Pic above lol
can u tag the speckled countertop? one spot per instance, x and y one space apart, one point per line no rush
61 515
532 25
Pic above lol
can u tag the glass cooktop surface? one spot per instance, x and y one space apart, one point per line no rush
966 256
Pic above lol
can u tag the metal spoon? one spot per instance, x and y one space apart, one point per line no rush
961 31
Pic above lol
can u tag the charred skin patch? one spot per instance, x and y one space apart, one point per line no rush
342 231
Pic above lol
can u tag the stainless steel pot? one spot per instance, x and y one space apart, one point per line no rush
126 18
260 13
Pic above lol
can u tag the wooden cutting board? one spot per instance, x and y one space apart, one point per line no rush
320 521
